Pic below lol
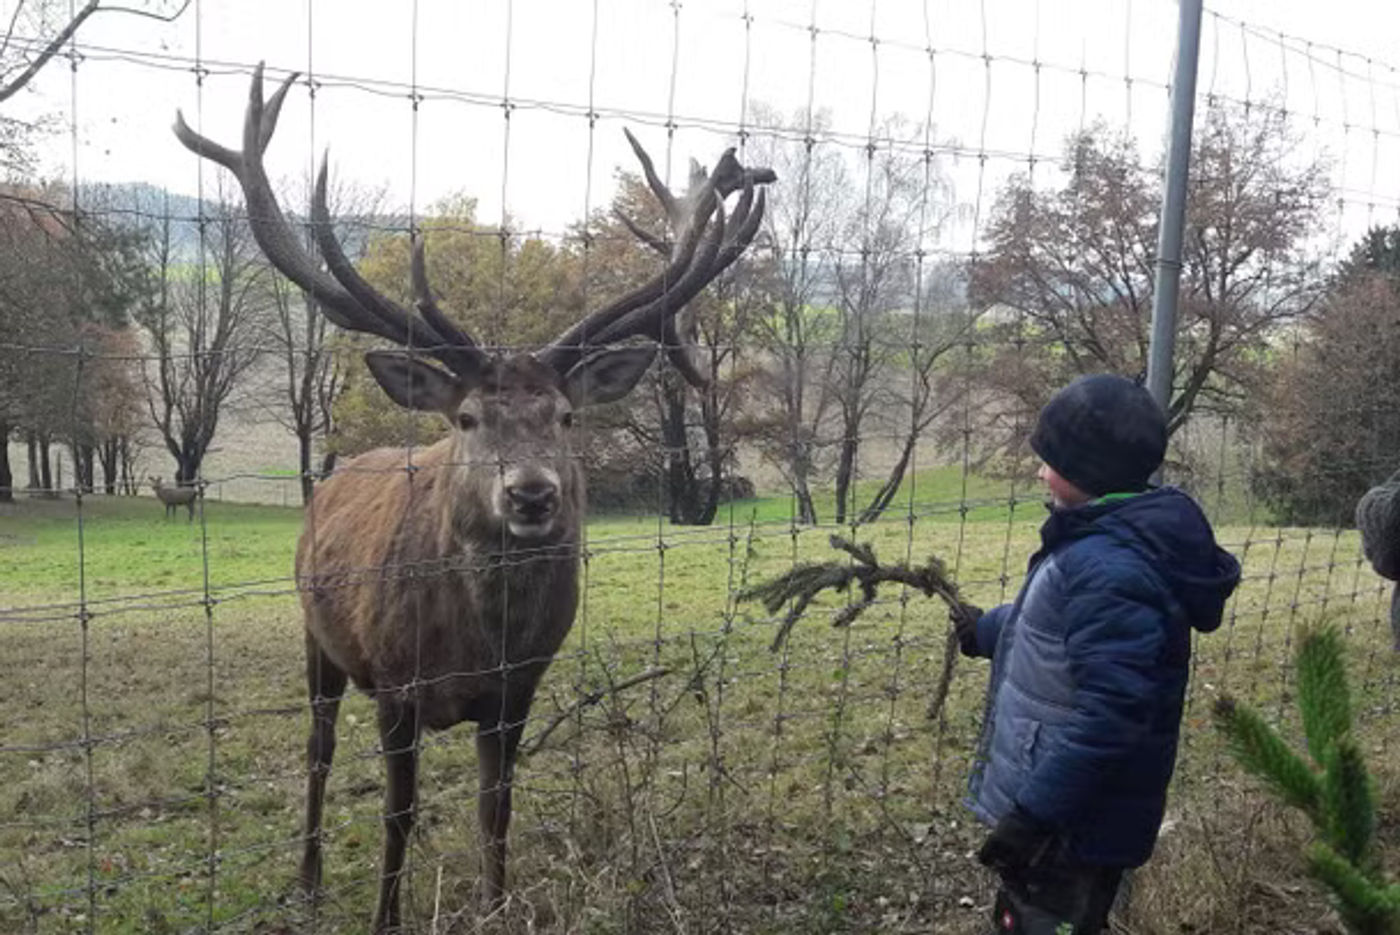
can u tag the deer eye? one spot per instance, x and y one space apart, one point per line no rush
567 420
466 421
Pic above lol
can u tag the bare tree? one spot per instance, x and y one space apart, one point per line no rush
114 411
1076 265
35 32
904 200
843 266
203 333
923 384
797 328
688 432
28 252
312 373
701 471
66 282
38 30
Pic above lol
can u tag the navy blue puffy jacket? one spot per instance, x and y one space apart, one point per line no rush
1089 670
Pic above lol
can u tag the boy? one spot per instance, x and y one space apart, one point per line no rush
1089 665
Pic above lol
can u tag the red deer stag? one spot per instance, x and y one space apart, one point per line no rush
443 584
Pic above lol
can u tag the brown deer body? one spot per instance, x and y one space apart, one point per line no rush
442 581
175 497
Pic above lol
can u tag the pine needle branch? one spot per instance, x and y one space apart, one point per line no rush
1366 908
1261 751
1337 796
1323 697
1347 802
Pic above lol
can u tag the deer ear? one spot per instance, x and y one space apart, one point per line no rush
412 382
607 375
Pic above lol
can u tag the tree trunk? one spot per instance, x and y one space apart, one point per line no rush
799 459
714 457
845 473
187 469
129 484
83 469
31 441
7 477
188 461
885 495
304 464
107 453
45 467
681 493
806 510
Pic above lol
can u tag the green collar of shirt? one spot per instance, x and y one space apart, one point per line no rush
1114 497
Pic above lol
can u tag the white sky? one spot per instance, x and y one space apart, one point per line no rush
697 61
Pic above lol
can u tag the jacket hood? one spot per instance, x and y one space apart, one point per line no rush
1169 529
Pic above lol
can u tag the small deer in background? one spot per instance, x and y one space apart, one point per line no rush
175 497
443 581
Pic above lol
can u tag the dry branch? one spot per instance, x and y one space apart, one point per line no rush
806 581
587 701
802 584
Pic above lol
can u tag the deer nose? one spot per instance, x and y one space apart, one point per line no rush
533 500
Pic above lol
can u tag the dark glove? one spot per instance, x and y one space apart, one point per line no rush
1018 842
964 618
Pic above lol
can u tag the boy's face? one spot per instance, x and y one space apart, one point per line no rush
1062 493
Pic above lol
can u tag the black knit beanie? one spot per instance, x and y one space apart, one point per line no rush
1102 433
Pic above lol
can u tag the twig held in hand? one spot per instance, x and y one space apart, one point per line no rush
802 584
805 582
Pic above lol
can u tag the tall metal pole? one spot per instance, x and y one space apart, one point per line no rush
1164 301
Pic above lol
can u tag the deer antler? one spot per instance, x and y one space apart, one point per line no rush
705 243
344 296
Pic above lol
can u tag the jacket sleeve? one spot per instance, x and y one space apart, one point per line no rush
1378 520
989 629
1117 630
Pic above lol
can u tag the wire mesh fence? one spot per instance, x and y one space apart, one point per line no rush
963 217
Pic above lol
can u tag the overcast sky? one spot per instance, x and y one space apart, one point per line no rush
641 63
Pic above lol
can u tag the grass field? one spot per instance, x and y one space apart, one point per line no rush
159 786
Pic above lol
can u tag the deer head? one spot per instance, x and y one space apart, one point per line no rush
509 412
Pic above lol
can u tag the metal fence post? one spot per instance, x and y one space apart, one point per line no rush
1169 229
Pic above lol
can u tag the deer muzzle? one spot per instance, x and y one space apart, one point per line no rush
530 502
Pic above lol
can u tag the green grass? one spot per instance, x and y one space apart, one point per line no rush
128 545
943 494
747 791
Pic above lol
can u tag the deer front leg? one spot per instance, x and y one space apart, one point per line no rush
497 741
398 734
325 684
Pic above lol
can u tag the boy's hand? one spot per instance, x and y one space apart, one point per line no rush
1017 842
964 618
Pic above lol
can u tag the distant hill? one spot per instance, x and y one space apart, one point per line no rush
140 203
